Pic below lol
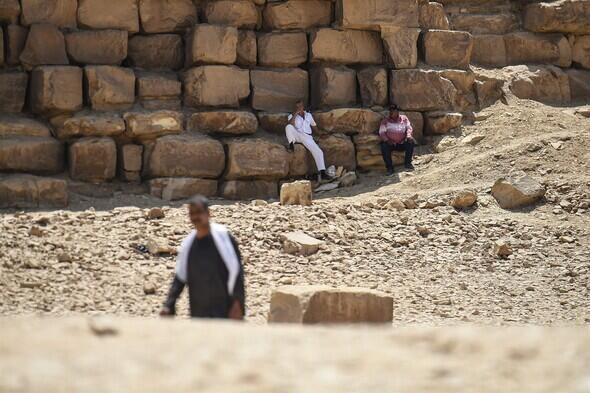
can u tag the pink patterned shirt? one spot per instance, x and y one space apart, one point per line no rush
395 131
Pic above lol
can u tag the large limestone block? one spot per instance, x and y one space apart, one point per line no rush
256 159
488 90
61 13
247 48
110 87
432 15
437 123
581 51
31 154
463 80
368 153
401 46
13 91
296 193
273 122
249 189
333 86
338 151
109 14
320 304
282 49
278 90
372 14
175 188
565 16
489 50
27 191
13 125
421 90
158 85
447 48
93 159
346 46
525 48
45 46
130 157
297 14
56 89
186 156
501 23
9 11
211 44
517 190
164 16
149 125
373 86
546 84
157 51
16 38
579 81
90 124
237 13
97 47
223 122
349 121
216 85
301 162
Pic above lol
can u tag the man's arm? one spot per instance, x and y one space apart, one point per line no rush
238 308
409 130
176 288
292 117
383 132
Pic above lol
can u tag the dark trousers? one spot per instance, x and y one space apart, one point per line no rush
387 149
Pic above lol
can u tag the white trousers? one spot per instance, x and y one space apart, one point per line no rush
294 136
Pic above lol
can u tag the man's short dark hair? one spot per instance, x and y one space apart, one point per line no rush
393 107
199 200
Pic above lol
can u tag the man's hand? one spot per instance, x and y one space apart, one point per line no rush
411 139
166 312
235 311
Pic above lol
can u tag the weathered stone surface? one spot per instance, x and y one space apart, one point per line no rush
297 14
158 85
159 16
319 304
463 80
282 49
437 123
338 151
216 85
16 38
296 193
249 189
579 81
13 91
211 44
273 122
464 199
186 156
256 159
517 190
349 121
172 189
581 51
501 23
401 46
56 89
432 15
299 243
546 84
237 13
346 46
524 48
31 154
158 51
130 157
148 125
447 48
97 47
301 162
90 124
110 87
489 50
421 90
488 90
223 122
566 16
93 159
12 125
9 11
373 86
372 14
278 90
247 48
45 46
109 14
333 86
61 13
26 191
368 152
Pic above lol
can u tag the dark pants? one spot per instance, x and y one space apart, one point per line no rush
387 149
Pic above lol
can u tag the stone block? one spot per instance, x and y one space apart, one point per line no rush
296 193
93 159
27 191
346 46
421 90
45 45
581 51
249 189
212 44
333 86
525 48
60 13
159 16
273 122
372 14
14 125
517 190
110 87
500 23
130 157
16 38
463 80
297 14
349 121
149 125
432 15
157 51
157 85
447 48
236 13
278 90
256 159
320 304
547 84
56 89
223 122
299 243
373 85
9 11
401 46
438 123
89 124
282 49
97 47
30 154
301 162
488 90
216 85
172 189
564 16
338 151
247 48
579 81
13 91
109 14
489 50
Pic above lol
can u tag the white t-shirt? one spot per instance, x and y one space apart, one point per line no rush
303 124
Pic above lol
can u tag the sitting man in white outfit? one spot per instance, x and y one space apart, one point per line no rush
299 130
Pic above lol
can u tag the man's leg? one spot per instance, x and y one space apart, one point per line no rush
291 134
314 149
386 150
408 148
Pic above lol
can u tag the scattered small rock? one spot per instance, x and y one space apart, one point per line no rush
155 213
502 249
299 243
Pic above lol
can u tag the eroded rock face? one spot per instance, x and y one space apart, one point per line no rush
172 189
432 15
349 121
249 189
97 47
31 154
158 90
10 10
27 191
526 48
149 125
338 151
333 87
421 90
437 123
447 48
156 51
282 49
296 193
56 89
581 51
216 85
110 87
237 13
579 81
373 86
489 50
223 122
297 14
517 190
279 90
13 90
273 122
166 16
93 159
16 37
346 46
61 13
45 45
319 304
565 16
545 84
89 124
401 45
109 14
247 50
256 159
372 14
13 125
499 24
211 44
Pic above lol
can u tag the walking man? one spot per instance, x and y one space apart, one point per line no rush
395 132
209 262
299 130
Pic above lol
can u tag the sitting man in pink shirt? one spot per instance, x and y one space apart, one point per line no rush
396 134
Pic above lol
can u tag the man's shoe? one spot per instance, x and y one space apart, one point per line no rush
409 167
324 176
390 173
291 147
